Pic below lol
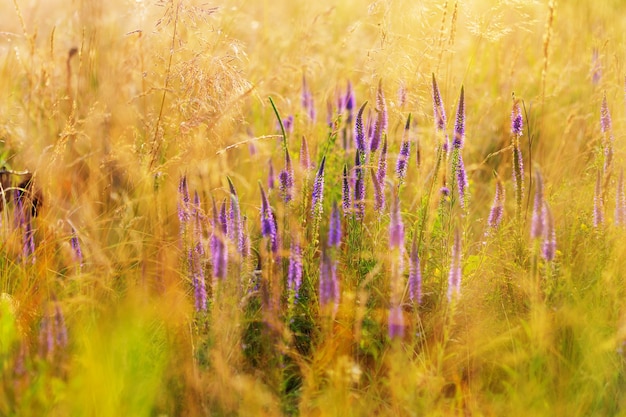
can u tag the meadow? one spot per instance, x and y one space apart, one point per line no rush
275 208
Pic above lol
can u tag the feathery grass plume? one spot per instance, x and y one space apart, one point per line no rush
380 125
454 278
235 226
328 283
598 203
76 249
518 163
307 99
345 191
404 154
334 229
548 249
317 195
286 179
396 322
538 221
607 140
217 245
305 159
415 274
359 186
359 134
440 115
497 208
271 180
294 273
620 201
269 227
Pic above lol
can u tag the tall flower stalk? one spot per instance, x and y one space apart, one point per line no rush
454 277
518 163
404 154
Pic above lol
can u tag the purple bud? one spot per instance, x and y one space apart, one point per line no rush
538 221
359 135
516 120
497 209
380 126
334 230
396 322
454 278
598 203
459 125
548 249
294 274
318 189
345 191
405 151
415 275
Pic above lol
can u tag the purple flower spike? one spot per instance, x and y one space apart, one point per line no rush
294 274
318 189
76 249
405 152
305 160
440 114
517 125
415 275
359 134
359 186
381 174
379 193
219 254
350 102
620 202
286 179
497 209
454 279
328 282
396 226
269 227
538 221
183 201
459 125
197 280
461 179
605 116
380 126
334 231
345 192
548 249
235 227
598 203
396 322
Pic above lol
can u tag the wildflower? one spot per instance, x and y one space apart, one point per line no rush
359 135
459 125
359 186
607 142
405 151
350 102
549 239
415 275
379 194
517 126
219 254
197 280
538 220
235 226
271 181
269 227
305 160
396 322
345 191
598 203
396 226
497 209
380 125
461 179
329 285
318 189
381 173
183 201
286 179
334 231
76 249
294 273
440 114
454 278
